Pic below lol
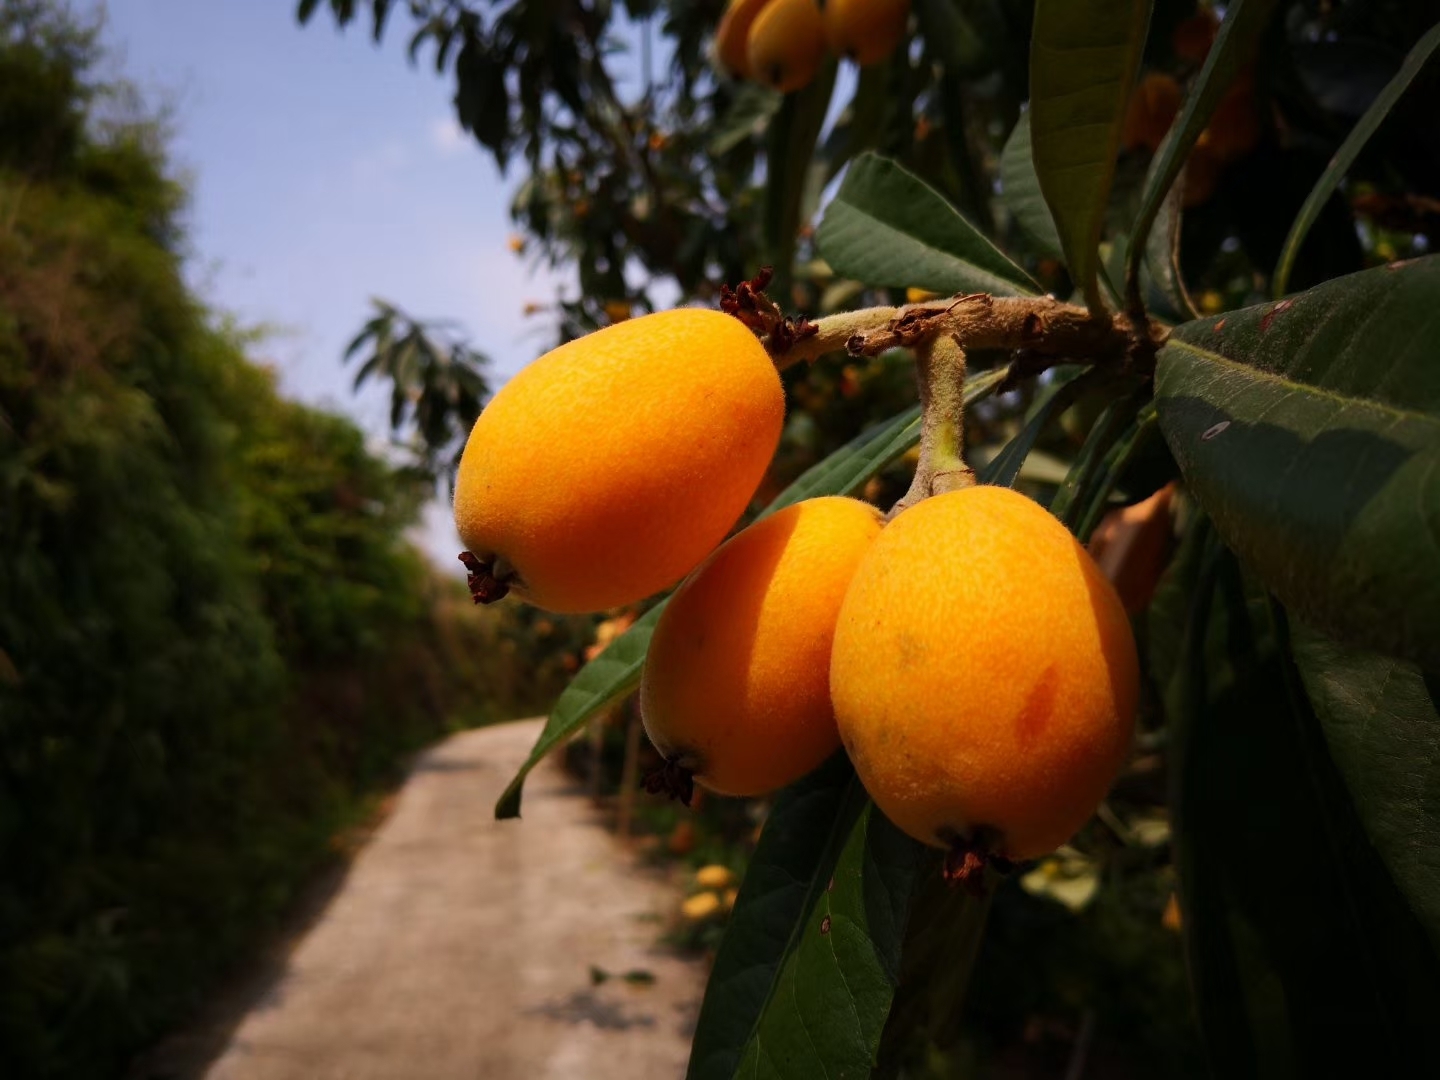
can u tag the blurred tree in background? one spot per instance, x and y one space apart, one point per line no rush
215 640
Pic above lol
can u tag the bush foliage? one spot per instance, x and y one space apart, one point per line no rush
214 636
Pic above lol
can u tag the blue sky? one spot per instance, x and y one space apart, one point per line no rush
325 170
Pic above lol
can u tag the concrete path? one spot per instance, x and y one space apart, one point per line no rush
461 947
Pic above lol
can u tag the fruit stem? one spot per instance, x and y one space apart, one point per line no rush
1041 330
831 334
940 372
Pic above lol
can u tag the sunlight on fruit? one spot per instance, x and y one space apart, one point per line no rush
993 690
582 474
736 685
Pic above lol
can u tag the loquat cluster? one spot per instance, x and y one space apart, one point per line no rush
970 656
782 43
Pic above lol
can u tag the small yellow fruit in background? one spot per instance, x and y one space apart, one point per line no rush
714 876
610 467
736 684
865 31
701 906
984 674
732 39
787 44
919 296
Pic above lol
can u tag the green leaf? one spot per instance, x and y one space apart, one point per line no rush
1078 488
1234 47
886 226
1303 957
1005 466
610 676
1020 192
1309 429
1349 151
799 844
751 112
1136 438
1084 57
1162 287
1383 731
826 1006
616 671
789 151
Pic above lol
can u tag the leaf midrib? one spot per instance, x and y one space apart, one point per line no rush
1384 408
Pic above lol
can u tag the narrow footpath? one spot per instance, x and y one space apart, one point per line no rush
462 947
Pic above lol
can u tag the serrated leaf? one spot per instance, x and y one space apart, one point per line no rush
1020 192
886 226
1349 151
1235 43
1383 730
1084 57
1309 429
616 671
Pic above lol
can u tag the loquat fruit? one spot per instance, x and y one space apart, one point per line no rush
732 39
610 467
865 31
984 675
786 44
736 690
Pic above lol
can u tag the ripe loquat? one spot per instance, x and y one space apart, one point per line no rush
984 675
610 467
865 31
786 44
736 687
732 39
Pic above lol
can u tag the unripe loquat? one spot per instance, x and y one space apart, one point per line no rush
786 44
736 691
984 675
610 467
865 31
